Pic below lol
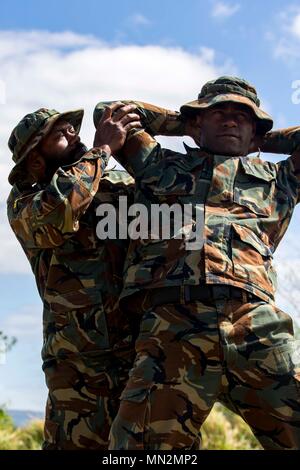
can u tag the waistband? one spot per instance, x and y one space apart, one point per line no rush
151 298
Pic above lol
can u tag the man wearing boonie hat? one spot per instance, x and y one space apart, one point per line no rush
87 348
209 327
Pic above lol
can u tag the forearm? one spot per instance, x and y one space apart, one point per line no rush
138 151
154 119
283 141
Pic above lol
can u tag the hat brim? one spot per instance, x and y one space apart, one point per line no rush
73 117
263 120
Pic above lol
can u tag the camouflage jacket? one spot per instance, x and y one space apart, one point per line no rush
248 204
56 226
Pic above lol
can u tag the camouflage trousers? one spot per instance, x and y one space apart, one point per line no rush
188 356
84 380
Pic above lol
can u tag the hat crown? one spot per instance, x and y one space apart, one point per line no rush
228 84
27 128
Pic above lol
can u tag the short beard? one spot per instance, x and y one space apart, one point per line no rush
54 162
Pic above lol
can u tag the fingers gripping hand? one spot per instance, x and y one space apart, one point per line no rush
116 121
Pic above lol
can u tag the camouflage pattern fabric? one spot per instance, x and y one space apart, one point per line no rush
31 130
248 204
155 120
87 348
241 352
230 89
191 355
285 140
84 389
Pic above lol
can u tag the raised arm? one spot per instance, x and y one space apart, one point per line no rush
154 119
282 141
140 146
46 218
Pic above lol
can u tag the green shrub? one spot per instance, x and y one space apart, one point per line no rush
222 430
29 437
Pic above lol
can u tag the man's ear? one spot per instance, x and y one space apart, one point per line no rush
199 120
257 140
254 129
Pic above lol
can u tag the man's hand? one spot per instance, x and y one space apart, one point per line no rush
114 125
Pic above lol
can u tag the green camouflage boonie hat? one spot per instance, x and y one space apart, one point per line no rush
232 89
32 129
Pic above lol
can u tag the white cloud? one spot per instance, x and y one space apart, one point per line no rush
222 10
67 70
295 26
24 324
285 34
139 20
17 43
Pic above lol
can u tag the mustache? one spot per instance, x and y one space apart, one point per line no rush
73 153
70 155
67 158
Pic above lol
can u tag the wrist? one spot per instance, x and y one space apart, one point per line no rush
103 148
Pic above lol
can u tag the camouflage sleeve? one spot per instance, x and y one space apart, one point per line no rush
282 140
139 151
46 218
288 177
295 158
155 120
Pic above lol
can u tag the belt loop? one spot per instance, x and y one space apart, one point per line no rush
187 294
182 295
146 303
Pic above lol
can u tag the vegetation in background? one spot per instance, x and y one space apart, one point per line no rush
222 431
28 437
6 341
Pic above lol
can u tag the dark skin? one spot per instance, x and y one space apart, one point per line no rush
62 145
225 129
209 126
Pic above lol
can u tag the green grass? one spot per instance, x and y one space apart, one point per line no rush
222 430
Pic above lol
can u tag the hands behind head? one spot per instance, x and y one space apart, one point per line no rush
116 121
193 129
257 143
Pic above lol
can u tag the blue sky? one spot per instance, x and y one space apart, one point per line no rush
65 54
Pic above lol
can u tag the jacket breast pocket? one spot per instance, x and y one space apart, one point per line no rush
252 258
255 187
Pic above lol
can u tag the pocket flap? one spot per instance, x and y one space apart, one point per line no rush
74 299
279 359
248 236
258 168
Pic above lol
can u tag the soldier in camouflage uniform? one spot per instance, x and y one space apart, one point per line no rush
87 348
210 330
